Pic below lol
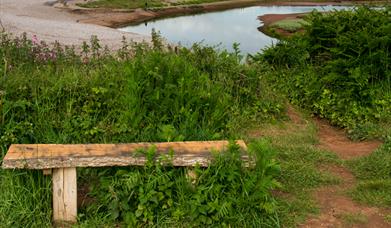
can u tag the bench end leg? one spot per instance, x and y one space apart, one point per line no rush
64 195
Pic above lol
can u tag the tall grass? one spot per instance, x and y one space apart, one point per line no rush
52 94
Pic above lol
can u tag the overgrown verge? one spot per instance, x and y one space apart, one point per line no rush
340 69
374 175
225 193
142 93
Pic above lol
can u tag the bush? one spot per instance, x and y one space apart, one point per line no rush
224 193
340 67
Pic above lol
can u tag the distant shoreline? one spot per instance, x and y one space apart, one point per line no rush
115 18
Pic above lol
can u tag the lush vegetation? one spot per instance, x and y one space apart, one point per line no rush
340 69
141 93
290 25
374 175
223 194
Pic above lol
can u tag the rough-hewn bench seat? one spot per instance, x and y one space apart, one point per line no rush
63 159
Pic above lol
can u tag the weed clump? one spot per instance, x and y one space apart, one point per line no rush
224 193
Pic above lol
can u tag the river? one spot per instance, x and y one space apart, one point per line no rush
224 28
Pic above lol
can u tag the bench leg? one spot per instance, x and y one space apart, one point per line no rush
64 195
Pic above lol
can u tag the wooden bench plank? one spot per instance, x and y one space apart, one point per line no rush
47 156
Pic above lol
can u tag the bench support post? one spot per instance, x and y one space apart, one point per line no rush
64 195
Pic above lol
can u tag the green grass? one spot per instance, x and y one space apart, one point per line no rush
195 2
374 175
290 25
122 4
25 199
388 218
353 219
296 152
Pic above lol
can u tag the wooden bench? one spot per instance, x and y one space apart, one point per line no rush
61 160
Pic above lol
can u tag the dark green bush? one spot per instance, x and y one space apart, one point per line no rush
340 68
224 193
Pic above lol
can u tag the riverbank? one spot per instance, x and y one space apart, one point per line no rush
115 18
72 25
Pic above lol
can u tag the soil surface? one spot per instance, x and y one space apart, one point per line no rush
334 203
333 139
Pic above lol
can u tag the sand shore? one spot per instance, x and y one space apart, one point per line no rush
48 23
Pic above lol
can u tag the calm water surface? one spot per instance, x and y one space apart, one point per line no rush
222 28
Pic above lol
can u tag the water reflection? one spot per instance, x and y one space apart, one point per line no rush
225 28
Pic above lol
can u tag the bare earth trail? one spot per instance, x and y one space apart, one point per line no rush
40 18
332 200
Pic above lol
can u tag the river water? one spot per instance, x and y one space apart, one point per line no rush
222 28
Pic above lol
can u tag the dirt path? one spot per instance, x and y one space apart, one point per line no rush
336 208
335 140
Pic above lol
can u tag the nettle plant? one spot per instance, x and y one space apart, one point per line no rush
225 193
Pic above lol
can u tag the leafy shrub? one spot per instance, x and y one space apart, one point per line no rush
198 93
219 194
340 68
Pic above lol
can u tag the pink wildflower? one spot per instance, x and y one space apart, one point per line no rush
35 40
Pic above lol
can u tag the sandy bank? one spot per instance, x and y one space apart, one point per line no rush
40 18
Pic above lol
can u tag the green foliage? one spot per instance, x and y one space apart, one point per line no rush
199 93
122 4
299 159
340 68
290 25
25 199
374 174
56 95
219 194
